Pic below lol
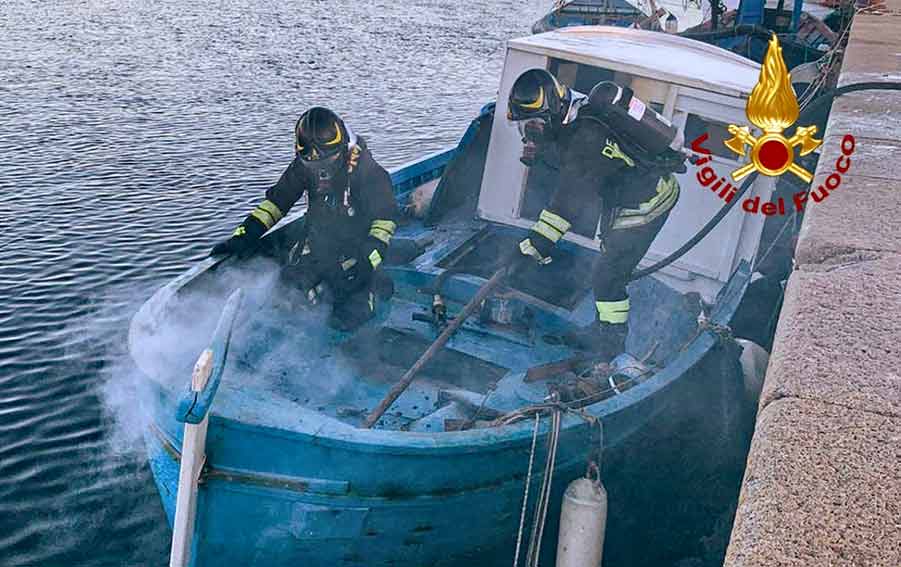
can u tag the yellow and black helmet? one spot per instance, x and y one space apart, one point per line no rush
537 94
320 134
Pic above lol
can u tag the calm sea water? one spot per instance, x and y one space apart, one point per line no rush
132 136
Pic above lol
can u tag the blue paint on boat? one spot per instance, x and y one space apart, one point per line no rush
287 484
291 477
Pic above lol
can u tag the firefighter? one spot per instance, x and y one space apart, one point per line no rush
349 224
604 150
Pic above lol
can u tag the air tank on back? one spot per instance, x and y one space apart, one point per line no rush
632 118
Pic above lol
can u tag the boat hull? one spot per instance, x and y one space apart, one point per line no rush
247 520
285 485
662 451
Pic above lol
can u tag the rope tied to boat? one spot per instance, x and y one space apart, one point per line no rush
556 409
593 472
544 498
525 498
723 332
539 518
547 406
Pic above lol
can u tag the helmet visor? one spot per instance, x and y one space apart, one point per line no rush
519 112
311 153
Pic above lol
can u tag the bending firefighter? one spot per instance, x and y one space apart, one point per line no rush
348 226
611 147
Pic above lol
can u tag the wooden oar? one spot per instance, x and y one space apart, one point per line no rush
451 328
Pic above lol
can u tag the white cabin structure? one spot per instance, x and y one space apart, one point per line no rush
699 87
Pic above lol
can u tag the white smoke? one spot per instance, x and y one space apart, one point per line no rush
276 349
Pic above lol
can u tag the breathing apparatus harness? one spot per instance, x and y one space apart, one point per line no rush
648 140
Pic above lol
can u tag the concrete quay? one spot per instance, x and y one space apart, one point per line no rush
823 480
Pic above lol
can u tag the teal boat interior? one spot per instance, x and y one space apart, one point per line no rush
288 370
286 447
283 355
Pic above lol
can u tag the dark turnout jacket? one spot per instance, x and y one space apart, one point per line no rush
356 219
595 163
636 192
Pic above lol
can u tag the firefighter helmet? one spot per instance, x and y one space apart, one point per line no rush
322 141
320 134
537 94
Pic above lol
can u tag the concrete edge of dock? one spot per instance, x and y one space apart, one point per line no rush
822 485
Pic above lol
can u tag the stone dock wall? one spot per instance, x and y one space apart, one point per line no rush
823 480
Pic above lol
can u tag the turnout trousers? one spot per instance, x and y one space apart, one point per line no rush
621 251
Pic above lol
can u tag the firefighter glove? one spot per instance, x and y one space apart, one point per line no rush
353 274
536 247
244 239
544 235
240 245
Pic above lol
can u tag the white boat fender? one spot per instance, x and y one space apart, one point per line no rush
754 360
583 521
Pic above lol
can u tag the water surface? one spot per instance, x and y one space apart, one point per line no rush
132 136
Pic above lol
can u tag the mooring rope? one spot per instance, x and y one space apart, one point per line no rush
540 518
525 496
760 259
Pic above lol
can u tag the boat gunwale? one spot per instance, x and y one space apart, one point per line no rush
326 430
332 432
334 490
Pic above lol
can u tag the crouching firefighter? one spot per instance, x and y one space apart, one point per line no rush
349 223
610 147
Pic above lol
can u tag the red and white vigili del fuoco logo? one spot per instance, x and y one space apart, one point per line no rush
772 107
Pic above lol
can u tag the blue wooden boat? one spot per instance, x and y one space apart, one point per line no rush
291 478
803 35
667 15
806 29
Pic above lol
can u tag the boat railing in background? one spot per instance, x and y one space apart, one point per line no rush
193 411
411 175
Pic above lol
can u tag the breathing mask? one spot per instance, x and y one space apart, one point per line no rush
534 132
322 141
325 170
538 104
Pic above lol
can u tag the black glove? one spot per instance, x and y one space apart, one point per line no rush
238 245
304 275
356 272
352 274
244 240
534 248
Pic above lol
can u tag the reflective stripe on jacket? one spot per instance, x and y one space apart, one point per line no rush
663 201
